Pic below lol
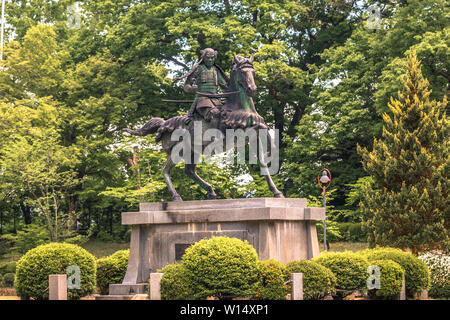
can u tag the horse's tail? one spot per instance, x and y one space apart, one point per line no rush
150 127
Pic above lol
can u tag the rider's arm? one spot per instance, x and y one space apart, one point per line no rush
191 83
221 80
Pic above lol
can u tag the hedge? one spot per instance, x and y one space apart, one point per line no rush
272 279
391 279
111 270
417 275
221 267
175 283
318 281
37 264
349 268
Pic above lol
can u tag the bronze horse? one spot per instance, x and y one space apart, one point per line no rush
238 112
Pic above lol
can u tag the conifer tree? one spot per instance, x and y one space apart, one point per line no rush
408 206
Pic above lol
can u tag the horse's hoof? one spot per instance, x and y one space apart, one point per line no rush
212 196
278 195
177 198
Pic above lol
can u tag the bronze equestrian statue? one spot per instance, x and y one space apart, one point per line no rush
238 112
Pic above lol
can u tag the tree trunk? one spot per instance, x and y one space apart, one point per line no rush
26 211
72 209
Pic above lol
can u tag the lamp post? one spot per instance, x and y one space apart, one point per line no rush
324 180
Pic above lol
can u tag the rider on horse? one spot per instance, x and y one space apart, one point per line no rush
205 77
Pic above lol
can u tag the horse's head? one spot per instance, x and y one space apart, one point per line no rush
244 74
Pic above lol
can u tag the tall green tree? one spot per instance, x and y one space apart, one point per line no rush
352 87
409 205
39 164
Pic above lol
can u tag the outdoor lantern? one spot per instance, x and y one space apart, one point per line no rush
324 180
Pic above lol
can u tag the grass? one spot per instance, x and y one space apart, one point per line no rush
344 246
102 249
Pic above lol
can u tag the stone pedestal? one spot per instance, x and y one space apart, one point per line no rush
57 287
280 229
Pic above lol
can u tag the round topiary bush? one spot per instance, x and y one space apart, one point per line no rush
439 265
111 270
221 267
175 283
318 281
272 278
37 264
391 279
417 275
349 268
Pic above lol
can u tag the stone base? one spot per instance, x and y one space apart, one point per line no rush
114 297
281 229
128 289
122 297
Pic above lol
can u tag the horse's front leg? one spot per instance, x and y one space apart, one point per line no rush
190 172
166 173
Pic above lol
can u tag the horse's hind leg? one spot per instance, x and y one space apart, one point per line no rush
272 187
190 172
265 170
166 173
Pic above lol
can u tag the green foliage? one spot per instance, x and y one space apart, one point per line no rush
272 278
111 270
175 283
349 268
26 239
408 206
318 281
391 278
36 265
333 231
221 267
417 275
7 281
352 232
439 265
8 267
324 81
352 87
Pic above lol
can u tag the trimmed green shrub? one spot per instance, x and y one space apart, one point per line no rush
36 265
175 283
8 280
349 268
111 270
272 278
417 275
221 267
439 265
391 278
318 281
